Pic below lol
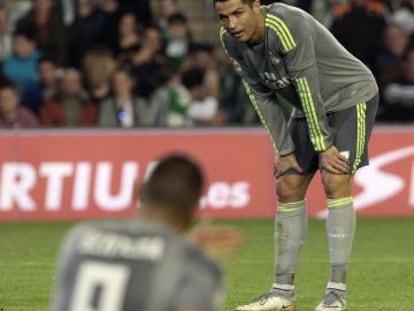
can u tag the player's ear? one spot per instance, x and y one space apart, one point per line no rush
256 6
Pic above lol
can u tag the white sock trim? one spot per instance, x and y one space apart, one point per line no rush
333 285
283 286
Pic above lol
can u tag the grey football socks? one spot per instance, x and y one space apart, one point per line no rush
284 290
340 227
290 232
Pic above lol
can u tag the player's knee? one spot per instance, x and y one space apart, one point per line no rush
337 186
288 191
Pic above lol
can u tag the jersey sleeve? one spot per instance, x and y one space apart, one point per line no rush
272 117
265 104
295 42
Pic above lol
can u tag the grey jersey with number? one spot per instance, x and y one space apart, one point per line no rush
302 64
134 266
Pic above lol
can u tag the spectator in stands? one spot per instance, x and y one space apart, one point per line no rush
166 8
85 32
21 67
141 8
12 114
70 105
318 8
404 15
359 26
41 90
169 102
111 15
391 4
177 39
49 29
129 37
99 65
202 57
389 61
148 62
203 108
17 9
123 108
68 10
4 81
399 96
5 34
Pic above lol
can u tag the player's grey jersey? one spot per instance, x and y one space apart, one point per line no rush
134 266
299 62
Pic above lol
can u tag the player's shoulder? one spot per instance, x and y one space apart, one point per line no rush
286 25
285 19
91 232
227 41
87 228
283 11
79 230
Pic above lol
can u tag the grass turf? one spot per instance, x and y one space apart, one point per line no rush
381 277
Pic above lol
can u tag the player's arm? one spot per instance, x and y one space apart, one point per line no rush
296 44
264 102
272 117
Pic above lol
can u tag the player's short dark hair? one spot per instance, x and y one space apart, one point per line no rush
175 184
248 2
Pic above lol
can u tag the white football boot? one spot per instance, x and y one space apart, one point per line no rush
332 302
269 302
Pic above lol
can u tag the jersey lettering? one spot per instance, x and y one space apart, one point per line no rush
114 245
271 79
100 287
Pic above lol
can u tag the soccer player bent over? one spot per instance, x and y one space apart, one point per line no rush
286 57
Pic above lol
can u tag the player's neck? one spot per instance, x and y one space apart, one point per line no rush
160 217
260 31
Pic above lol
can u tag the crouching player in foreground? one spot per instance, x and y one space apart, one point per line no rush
146 264
286 57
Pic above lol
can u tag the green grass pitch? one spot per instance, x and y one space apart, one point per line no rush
381 277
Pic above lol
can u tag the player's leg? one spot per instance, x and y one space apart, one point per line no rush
340 228
290 231
291 219
353 128
290 224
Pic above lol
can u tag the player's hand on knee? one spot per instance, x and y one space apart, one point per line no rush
333 161
286 163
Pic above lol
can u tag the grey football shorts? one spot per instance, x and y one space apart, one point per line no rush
351 130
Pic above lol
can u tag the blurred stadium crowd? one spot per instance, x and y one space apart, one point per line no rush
135 63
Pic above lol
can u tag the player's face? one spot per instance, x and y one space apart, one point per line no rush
239 19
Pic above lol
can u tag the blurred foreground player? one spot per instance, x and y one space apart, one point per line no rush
145 264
